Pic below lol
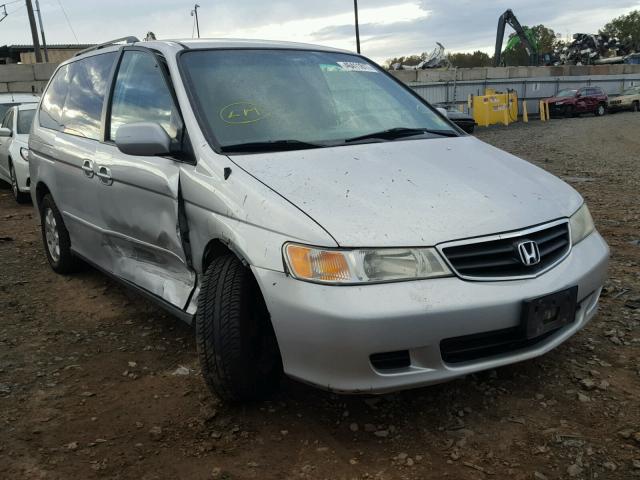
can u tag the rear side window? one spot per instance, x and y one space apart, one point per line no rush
7 121
25 118
73 102
141 95
50 115
4 108
83 106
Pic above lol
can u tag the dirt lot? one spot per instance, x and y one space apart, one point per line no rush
97 383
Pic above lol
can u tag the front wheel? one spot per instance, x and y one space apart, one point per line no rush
569 111
635 107
236 343
19 196
601 110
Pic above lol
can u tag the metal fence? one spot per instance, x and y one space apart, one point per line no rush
531 89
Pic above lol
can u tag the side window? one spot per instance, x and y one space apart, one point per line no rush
50 115
141 95
7 121
83 108
4 108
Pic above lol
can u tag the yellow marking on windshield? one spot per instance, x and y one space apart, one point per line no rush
242 113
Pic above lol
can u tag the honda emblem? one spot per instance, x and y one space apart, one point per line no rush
529 253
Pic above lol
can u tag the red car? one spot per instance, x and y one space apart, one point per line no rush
569 103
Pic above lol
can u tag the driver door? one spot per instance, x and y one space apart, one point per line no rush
138 195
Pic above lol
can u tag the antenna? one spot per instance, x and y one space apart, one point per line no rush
194 13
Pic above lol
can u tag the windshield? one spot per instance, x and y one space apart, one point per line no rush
631 91
319 98
25 119
567 93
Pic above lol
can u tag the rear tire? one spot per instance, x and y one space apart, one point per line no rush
601 109
55 238
236 343
19 196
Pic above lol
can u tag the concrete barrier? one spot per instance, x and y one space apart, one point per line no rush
25 78
495 73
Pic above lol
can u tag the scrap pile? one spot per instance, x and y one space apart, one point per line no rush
436 59
588 49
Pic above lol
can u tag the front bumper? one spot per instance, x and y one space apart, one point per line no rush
327 334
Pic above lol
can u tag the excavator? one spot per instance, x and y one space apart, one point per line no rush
524 37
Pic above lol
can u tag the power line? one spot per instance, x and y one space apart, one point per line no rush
68 22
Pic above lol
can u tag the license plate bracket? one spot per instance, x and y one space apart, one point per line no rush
549 312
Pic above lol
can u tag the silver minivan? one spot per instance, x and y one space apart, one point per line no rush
309 214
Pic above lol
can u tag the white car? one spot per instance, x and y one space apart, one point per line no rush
14 138
8 100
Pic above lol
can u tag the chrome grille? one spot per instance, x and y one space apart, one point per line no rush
497 257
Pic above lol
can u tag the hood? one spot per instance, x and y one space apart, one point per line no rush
413 192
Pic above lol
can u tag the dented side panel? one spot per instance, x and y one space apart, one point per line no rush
142 234
242 213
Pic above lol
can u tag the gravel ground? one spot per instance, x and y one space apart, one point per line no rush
97 383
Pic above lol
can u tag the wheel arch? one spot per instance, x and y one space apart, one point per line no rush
215 248
41 190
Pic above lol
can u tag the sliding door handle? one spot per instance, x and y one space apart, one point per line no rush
104 174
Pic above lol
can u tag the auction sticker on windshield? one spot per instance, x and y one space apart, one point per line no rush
357 67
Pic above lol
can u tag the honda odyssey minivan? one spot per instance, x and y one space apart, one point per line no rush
309 213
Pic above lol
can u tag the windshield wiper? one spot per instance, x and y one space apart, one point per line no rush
399 132
271 146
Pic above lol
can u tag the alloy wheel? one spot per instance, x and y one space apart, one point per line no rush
51 234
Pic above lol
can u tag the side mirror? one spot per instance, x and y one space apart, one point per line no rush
5 132
143 138
443 111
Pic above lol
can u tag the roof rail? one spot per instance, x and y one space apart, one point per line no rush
108 44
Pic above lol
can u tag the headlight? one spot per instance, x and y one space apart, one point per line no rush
363 265
581 224
24 153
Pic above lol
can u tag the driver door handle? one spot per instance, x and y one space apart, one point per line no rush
87 168
104 174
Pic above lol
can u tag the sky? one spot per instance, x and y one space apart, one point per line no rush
388 28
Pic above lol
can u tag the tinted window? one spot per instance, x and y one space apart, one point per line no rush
25 119
83 107
141 95
50 115
6 120
4 108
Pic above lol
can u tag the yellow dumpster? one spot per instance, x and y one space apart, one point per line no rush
494 107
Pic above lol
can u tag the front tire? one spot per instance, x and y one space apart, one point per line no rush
601 110
635 107
19 196
55 238
569 111
236 343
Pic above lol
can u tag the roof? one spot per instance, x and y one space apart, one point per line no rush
247 43
18 98
175 45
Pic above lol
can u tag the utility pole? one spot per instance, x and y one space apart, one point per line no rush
355 9
34 32
194 13
44 42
